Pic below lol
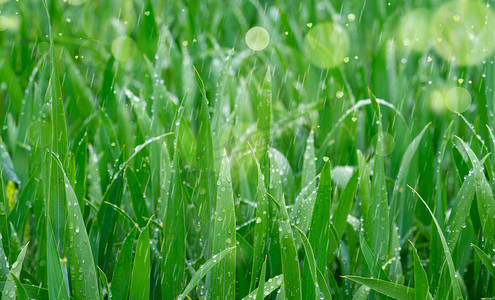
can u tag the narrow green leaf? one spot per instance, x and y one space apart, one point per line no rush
121 278
310 257
484 195
344 206
222 284
84 283
6 165
9 290
264 125
137 197
319 234
140 281
290 261
104 282
204 269
460 211
4 238
394 290
420 278
261 287
147 30
450 263
21 291
271 285
261 228
485 259
371 260
56 284
174 245
309 166
205 191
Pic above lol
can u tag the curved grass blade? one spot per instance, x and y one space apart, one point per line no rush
205 191
137 197
56 284
420 278
222 285
271 285
9 290
140 281
397 207
261 287
484 195
371 260
59 145
84 283
203 270
261 227
394 290
147 30
319 233
21 291
377 225
485 259
290 261
104 283
310 257
174 242
6 165
121 278
450 263
362 293
460 211
344 206
309 166
4 212
264 125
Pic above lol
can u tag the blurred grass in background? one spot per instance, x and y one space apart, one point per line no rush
158 149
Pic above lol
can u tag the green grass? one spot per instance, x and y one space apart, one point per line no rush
148 150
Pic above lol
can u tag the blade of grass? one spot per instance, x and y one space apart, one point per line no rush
377 228
222 284
271 285
140 280
319 233
84 283
137 197
420 278
290 261
205 191
485 259
261 287
121 278
174 245
450 263
21 291
394 290
203 270
9 290
484 195
460 211
264 124
261 228
56 284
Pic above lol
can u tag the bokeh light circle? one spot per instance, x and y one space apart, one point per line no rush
414 30
124 48
326 45
257 38
458 99
464 32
